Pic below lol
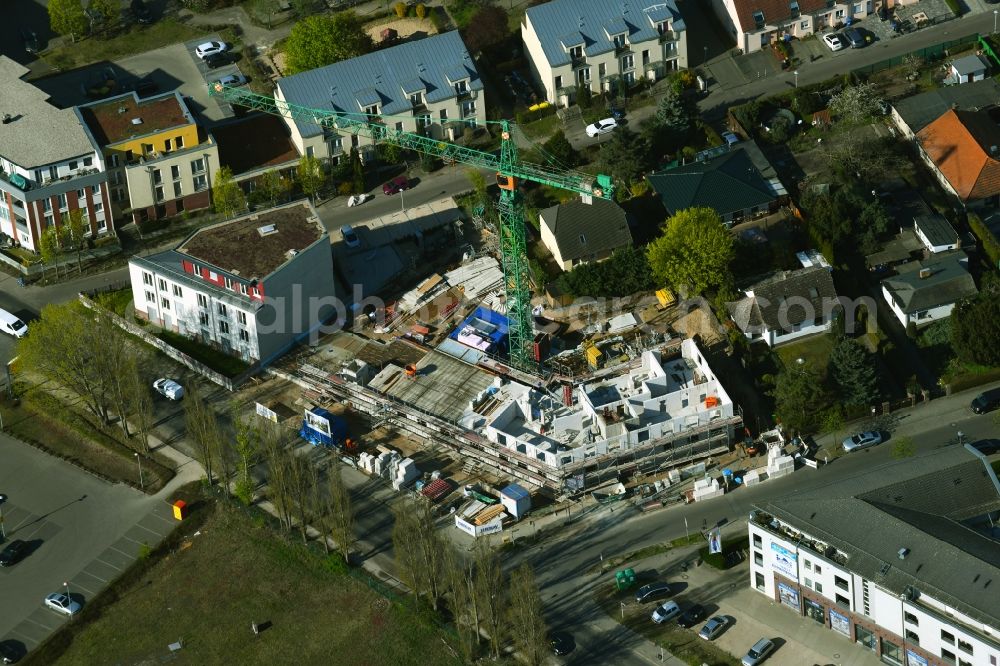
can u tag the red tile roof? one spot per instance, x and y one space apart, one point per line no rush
775 11
965 147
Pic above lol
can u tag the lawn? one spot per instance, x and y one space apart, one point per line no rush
223 363
543 128
116 301
814 351
137 39
231 572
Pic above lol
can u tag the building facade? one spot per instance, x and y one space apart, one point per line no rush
756 24
429 86
49 167
251 286
159 161
897 559
601 46
578 232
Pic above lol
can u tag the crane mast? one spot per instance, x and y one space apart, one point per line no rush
509 171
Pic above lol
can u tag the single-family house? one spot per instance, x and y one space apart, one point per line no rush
962 148
579 233
936 233
429 86
912 114
925 291
728 182
788 306
756 24
602 46
968 69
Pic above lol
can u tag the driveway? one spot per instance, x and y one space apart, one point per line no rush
82 533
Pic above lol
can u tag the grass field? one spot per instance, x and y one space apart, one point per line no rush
137 39
230 366
207 592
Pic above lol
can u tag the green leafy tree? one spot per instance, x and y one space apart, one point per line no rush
694 251
273 186
78 227
584 98
227 196
559 147
673 113
487 28
357 171
798 395
309 173
975 329
246 445
389 153
48 247
852 370
323 39
857 103
67 18
625 272
110 11
400 9
623 156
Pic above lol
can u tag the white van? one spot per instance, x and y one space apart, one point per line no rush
12 325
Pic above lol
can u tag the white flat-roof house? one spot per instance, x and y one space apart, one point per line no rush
429 86
600 45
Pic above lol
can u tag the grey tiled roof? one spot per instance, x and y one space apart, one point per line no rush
918 504
949 282
768 307
936 229
728 183
384 77
602 224
40 134
918 111
563 23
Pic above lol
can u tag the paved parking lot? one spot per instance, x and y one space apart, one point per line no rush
82 533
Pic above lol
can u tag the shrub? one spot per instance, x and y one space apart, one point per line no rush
400 8
421 10
724 560
991 246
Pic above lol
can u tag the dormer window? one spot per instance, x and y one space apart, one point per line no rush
416 99
372 110
576 52
663 27
462 87
620 41
795 9
758 19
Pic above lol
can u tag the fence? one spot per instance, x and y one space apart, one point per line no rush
928 53
228 383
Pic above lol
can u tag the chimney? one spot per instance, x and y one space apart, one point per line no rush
925 273
903 552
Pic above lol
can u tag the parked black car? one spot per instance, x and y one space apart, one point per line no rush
561 642
217 60
691 616
13 553
10 653
986 401
30 38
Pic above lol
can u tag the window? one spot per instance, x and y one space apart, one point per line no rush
147 148
151 296
178 291
72 165
88 161
224 327
758 580
558 82
964 646
49 221
684 402
843 601
399 127
817 568
858 7
947 656
461 87
576 52
808 582
839 14
372 110
818 587
222 310
81 195
758 558
175 172
200 183
962 662
469 108
912 636
416 99
202 301
229 283
114 159
309 151
756 539
241 317
808 565
158 192
165 304
99 207
758 19
62 201
243 288
198 165
178 190
203 318
840 582
244 336
444 115
46 204
947 637
157 177
147 278
179 142
804 25
163 284
912 619
166 146
619 41
628 62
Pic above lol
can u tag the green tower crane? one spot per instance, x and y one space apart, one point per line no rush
509 172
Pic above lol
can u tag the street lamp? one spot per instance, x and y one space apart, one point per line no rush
138 460
3 534
995 20
961 436
66 589
796 72
705 61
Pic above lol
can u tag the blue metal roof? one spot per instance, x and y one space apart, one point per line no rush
515 492
594 23
382 78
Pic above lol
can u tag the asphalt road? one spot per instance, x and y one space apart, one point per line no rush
82 532
565 562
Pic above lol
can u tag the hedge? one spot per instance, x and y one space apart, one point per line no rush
990 243
730 545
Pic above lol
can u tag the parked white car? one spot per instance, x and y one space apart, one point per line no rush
833 41
61 603
602 127
233 80
168 388
210 48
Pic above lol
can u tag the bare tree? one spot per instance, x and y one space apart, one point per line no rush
419 549
300 489
139 401
431 549
527 624
459 579
113 365
341 510
246 445
276 457
490 591
405 538
202 427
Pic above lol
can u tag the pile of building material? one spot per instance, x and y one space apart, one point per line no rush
707 488
436 489
389 465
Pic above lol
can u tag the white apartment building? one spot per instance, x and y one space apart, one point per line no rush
902 559
49 167
601 45
251 286
428 86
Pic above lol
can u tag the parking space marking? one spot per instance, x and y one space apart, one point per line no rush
140 525
116 568
93 575
122 553
87 573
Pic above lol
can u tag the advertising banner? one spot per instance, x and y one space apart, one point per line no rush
715 541
914 659
788 595
784 561
840 623
815 610
268 414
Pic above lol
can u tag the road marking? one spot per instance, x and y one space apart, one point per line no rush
147 529
87 573
122 552
97 559
95 576
85 589
34 621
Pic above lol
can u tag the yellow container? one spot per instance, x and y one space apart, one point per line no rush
180 510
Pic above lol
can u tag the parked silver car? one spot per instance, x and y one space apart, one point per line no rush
862 441
713 628
758 653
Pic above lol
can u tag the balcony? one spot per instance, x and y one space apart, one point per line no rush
577 62
772 525
669 36
623 49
